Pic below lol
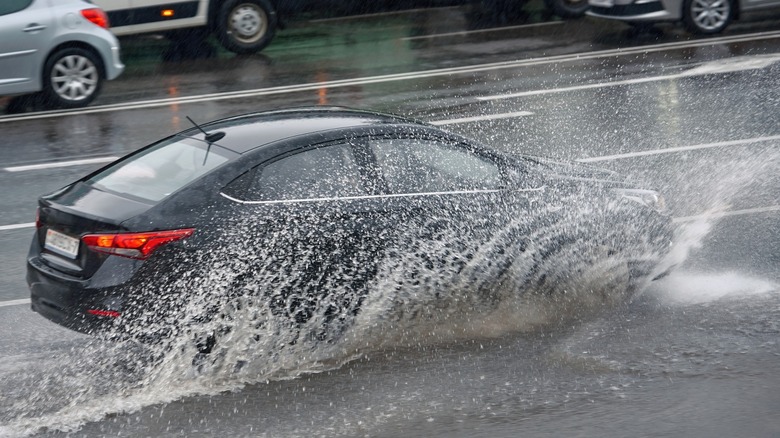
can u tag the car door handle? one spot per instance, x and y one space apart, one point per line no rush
34 27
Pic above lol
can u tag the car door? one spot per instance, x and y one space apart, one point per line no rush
456 226
306 222
26 28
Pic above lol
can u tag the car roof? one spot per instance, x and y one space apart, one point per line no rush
249 131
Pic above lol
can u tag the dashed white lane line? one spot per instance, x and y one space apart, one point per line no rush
722 214
14 302
481 118
742 142
16 226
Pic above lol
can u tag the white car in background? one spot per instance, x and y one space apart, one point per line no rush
241 26
60 48
699 16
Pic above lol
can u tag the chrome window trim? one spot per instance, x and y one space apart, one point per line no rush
354 198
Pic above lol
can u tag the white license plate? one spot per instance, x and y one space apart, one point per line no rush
62 244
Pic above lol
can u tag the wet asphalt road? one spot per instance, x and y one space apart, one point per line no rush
698 119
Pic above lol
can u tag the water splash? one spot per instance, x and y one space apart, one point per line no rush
686 288
281 309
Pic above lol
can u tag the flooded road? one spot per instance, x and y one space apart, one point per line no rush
696 354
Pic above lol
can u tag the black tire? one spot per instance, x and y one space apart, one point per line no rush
707 16
72 78
568 8
246 26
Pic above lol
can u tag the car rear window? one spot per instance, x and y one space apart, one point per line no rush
160 170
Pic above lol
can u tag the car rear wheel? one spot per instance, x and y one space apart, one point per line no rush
568 8
72 78
246 26
707 16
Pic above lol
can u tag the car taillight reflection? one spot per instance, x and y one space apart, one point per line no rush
96 16
134 245
104 313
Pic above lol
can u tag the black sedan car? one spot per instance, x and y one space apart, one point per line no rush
307 218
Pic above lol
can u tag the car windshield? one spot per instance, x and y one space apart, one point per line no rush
160 170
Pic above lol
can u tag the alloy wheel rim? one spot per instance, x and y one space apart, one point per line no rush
710 14
74 78
248 23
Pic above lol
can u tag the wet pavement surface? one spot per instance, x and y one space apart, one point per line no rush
697 118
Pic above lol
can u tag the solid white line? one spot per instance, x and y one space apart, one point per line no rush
14 302
722 214
469 32
16 226
728 65
743 142
395 77
60 164
481 118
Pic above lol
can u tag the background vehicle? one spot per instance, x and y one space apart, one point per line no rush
699 16
307 211
248 26
241 26
59 47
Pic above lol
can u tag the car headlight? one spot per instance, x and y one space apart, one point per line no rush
648 198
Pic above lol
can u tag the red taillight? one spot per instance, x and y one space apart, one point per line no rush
38 223
133 245
104 313
96 16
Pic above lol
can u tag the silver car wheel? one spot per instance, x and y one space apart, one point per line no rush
710 14
74 78
248 23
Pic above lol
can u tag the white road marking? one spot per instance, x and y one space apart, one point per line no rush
17 226
744 142
718 215
395 77
723 214
14 302
56 164
728 65
481 118
470 32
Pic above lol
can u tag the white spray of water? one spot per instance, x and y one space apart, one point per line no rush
698 288
556 275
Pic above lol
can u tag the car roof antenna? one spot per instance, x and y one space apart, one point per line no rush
211 138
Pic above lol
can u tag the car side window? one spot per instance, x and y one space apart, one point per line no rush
412 165
11 6
323 172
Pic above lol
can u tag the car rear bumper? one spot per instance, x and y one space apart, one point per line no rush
115 67
66 301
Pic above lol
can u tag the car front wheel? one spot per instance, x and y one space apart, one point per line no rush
246 26
72 78
707 16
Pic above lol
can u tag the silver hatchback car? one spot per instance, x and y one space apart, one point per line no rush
699 16
60 48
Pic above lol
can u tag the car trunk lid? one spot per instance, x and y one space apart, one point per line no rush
79 209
